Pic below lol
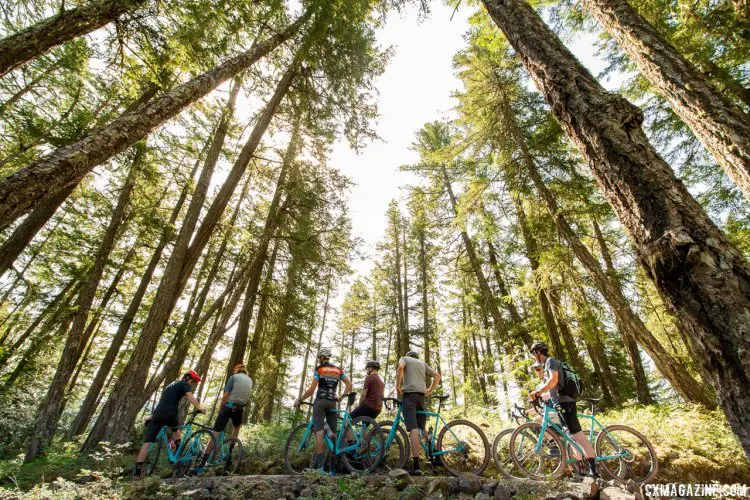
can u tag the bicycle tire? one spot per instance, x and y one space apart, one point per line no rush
401 440
530 432
293 466
366 461
482 459
196 449
505 466
607 467
153 465
233 463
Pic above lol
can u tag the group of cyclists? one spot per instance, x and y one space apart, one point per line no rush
411 386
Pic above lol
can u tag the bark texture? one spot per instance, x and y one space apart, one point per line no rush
702 278
21 47
714 119
23 190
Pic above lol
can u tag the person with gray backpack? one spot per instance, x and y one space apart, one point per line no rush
564 386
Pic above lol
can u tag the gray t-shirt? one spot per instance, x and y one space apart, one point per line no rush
415 373
550 365
239 387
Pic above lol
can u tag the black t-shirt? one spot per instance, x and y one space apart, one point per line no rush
170 398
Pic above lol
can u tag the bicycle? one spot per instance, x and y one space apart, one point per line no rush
501 447
228 452
621 452
460 443
183 459
362 455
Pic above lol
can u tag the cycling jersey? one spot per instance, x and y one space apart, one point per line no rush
328 377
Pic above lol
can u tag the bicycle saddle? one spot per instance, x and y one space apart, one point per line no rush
591 400
441 398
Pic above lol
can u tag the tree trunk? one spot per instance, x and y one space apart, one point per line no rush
700 275
518 321
51 407
484 288
405 340
122 407
23 190
425 302
26 230
86 411
32 42
401 335
636 363
714 119
273 218
566 335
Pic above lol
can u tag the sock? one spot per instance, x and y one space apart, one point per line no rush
415 463
592 465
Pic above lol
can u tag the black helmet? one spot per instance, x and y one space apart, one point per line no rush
372 364
539 346
412 354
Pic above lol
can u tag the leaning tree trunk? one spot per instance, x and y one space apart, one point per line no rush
702 278
641 382
52 405
714 119
90 402
122 406
484 288
26 188
519 323
32 42
273 217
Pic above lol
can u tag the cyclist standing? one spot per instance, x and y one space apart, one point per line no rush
326 380
412 387
371 399
166 412
553 382
236 396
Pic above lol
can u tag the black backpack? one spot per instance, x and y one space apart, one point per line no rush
573 385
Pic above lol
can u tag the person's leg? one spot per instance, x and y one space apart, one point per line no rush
359 411
574 426
319 416
141 457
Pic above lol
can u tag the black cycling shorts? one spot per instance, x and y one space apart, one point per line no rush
321 414
364 411
226 414
411 403
570 416
154 425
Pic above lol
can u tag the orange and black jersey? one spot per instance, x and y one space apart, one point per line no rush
328 377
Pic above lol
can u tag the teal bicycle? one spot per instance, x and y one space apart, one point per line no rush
460 446
166 460
545 449
359 443
228 453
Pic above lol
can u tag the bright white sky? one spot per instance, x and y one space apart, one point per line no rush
415 89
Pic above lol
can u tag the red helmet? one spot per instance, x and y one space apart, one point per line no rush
193 375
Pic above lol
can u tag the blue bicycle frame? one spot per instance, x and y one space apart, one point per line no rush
568 440
430 450
333 447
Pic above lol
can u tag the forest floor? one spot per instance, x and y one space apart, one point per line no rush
694 445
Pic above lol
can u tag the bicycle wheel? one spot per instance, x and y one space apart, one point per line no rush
191 459
157 462
397 452
299 449
463 448
369 454
548 462
233 453
503 460
630 454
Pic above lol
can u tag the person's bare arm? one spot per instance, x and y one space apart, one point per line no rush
309 392
552 382
194 402
400 378
435 381
225 398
